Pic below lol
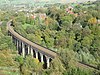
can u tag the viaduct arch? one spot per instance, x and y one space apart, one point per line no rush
26 47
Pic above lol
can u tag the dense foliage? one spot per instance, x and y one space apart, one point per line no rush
75 37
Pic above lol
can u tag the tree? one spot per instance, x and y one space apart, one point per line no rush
67 21
51 23
68 58
28 65
6 43
78 71
86 42
3 28
92 21
21 18
19 29
20 60
61 41
57 68
30 30
6 58
86 31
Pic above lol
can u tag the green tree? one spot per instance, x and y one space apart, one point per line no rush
57 68
68 58
20 60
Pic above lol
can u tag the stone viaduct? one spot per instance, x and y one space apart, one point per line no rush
26 47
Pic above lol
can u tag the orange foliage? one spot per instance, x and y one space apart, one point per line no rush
92 21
